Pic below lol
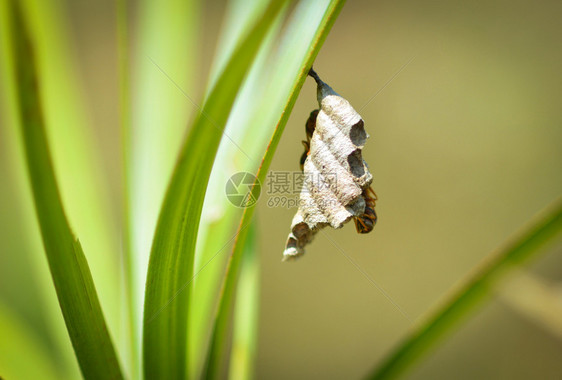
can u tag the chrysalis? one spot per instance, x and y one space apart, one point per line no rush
336 179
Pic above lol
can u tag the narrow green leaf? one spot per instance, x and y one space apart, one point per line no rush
219 217
472 292
77 164
239 17
71 276
21 237
171 259
246 312
219 335
162 72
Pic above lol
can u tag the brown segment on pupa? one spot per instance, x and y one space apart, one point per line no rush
336 186
309 126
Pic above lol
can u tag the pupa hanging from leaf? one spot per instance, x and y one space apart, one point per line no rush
336 180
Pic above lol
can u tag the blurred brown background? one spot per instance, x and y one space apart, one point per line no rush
465 147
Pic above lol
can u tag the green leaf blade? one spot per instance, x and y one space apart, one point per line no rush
220 218
69 270
246 313
163 61
171 260
219 335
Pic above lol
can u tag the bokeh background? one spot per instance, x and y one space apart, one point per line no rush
465 147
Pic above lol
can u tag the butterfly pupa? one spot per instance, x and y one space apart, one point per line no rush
337 181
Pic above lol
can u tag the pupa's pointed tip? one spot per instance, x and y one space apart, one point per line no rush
323 91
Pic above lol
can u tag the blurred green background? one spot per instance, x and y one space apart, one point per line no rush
465 147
